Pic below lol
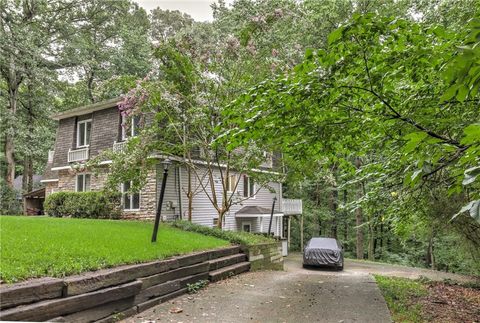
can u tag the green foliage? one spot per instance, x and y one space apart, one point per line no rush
93 205
9 204
242 238
401 295
57 247
195 287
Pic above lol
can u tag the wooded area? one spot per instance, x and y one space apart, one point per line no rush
373 104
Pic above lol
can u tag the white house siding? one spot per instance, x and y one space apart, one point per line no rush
203 211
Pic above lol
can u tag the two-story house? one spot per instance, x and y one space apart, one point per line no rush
87 131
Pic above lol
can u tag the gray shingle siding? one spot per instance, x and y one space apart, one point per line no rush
104 132
105 128
64 141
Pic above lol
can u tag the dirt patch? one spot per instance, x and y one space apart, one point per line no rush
451 303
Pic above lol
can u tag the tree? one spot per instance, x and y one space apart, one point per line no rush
111 39
165 24
31 33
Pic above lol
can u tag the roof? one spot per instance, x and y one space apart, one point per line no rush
87 109
256 211
39 193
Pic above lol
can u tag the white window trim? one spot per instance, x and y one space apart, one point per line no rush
237 179
247 223
251 195
78 132
131 199
130 129
76 182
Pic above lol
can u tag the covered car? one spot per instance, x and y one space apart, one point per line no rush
323 252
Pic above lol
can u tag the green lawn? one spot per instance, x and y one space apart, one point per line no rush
43 246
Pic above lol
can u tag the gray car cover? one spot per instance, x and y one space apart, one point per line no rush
323 251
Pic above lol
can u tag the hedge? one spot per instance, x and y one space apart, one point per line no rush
242 238
93 205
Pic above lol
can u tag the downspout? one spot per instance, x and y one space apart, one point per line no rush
179 179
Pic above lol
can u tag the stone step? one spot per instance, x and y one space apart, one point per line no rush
228 271
227 261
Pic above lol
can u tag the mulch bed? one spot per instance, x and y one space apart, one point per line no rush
451 303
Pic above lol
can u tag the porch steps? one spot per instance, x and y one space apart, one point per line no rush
227 261
228 271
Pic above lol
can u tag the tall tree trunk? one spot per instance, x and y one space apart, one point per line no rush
27 180
9 144
381 239
345 217
221 215
430 255
90 86
333 208
301 232
371 242
334 203
359 215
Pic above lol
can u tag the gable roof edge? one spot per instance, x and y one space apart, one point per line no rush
87 109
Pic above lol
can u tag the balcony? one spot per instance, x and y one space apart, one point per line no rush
292 206
118 147
78 155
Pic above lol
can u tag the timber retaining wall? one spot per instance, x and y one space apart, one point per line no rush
111 294
265 256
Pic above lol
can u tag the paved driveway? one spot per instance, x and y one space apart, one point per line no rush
295 295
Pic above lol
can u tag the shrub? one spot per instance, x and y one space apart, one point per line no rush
9 204
242 238
94 205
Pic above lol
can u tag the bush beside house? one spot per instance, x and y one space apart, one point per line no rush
93 205
236 237
263 252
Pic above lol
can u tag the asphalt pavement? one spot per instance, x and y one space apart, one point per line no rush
294 295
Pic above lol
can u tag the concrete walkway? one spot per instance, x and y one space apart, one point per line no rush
295 295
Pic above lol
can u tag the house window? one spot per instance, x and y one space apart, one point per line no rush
215 222
246 227
131 201
232 183
84 128
248 186
130 128
83 183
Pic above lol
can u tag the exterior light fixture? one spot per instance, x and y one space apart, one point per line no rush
166 163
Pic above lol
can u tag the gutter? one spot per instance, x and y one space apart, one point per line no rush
87 109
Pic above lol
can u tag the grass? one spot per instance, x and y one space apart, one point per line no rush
42 246
400 295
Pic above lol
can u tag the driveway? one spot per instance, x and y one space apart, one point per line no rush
294 295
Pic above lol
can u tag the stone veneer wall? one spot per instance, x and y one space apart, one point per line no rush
148 195
265 256
111 294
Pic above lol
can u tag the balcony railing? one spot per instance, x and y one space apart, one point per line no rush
119 146
292 207
78 155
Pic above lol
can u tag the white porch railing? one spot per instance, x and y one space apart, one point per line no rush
119 146
292 206
51 153
78 155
